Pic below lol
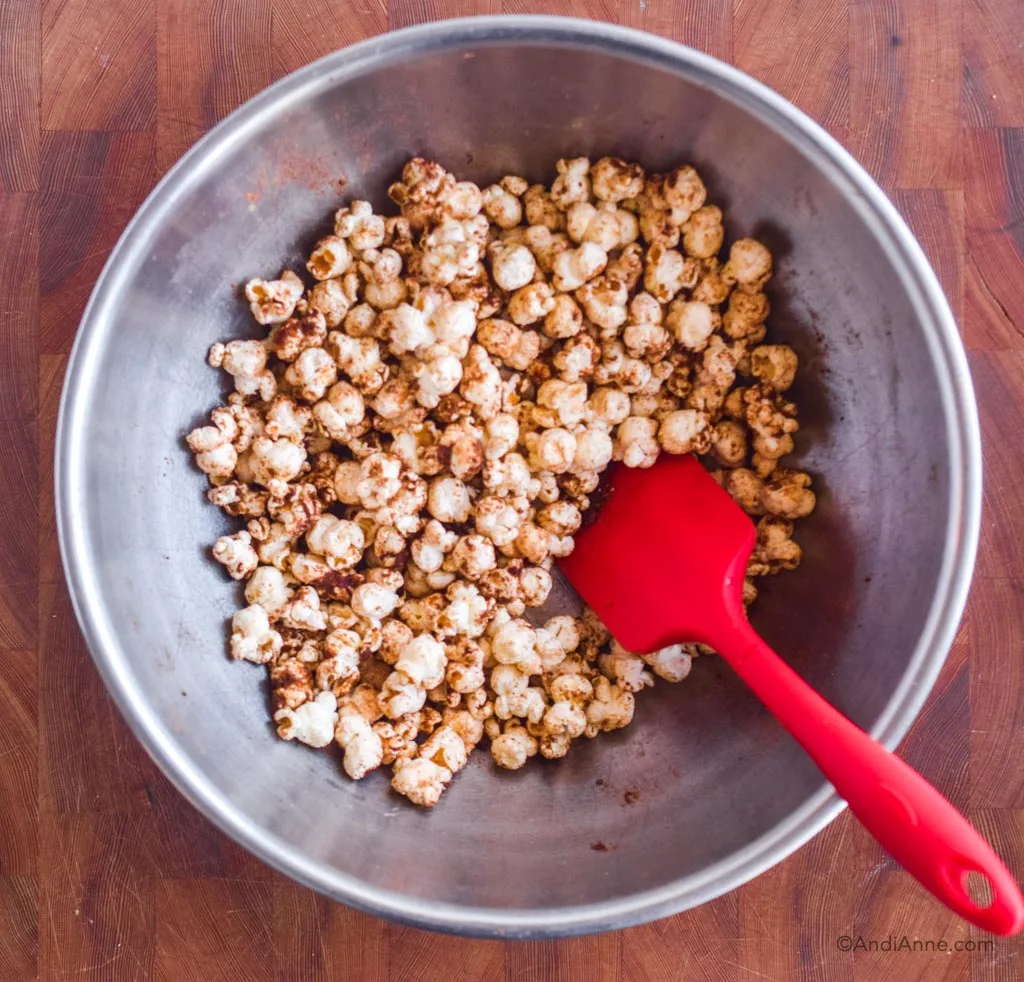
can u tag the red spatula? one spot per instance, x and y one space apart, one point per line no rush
663 563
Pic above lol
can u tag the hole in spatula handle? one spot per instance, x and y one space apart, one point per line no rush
965 878
979 888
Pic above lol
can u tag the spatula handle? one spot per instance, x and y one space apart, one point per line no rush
915 824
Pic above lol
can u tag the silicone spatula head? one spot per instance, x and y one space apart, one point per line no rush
663 562
664 558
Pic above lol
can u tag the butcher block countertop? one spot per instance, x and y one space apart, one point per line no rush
105 872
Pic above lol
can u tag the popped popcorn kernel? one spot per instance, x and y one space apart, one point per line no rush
421 781
312 723
273 301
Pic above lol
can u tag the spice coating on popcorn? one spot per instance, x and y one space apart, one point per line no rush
417 439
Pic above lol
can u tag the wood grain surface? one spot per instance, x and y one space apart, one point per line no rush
105 872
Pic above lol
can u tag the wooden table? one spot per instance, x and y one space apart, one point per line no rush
105 872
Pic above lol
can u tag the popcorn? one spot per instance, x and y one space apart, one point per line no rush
286 419
311 374
423 661
274 301
501 434
215 453
606 226
541 209
360 360
625 669
346 482
496 519
775 548
637 445
383 287
692 322
464 671
746 489
448 499
330 257
545 244
312 723
616 180
246 361
665 273
627 266
703 233
481 383
531 303
364 749
513 747
774 364
274 543
611 708
683 432
340 542
788 495
572 183
646 340
339 671
464 201
514 644
341 412
379 479
472 556
373 601
749 265
729 443
275 460
436 377
565 719
574 267
302 612
448 252
400 695
609 406
512 265
680 190
671 664
577 358
746 316
424 187
560 518
417 438
236 554
360 226
564 319
405 329
422 614
516 348
420 780
604 302
467 612
296 510
553 450
267 588
535 583
252 638
502 207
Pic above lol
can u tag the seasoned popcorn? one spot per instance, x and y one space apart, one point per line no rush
417 438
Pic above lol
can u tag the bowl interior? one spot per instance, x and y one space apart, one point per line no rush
709 771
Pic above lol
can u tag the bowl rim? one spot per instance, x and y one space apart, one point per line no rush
933 314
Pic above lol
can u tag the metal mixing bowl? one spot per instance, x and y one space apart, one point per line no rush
719 792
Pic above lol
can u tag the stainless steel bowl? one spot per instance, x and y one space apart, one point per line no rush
720 792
